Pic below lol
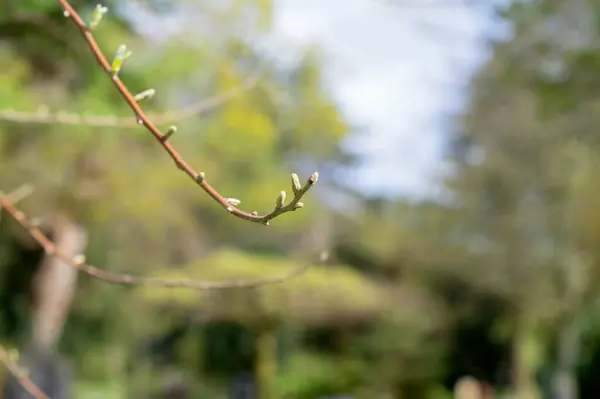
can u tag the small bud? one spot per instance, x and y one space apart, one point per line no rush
121 55
79 259
66 14
254 213
296 186
280 200
99 12
233 201
229 209
298 205
200 177
313 178
139 120
170 131
144 95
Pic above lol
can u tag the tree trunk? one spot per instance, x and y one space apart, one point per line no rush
564 383
53 289
524 359
266 360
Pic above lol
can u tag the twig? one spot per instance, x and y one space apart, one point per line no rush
78 262
21 375
18 194
142 119
43 116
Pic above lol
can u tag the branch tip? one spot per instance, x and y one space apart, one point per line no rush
113 69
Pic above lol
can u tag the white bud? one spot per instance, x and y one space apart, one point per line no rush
144 95
296 186
99 12
233 201
280 200
121 55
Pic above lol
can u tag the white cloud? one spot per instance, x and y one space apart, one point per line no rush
389 66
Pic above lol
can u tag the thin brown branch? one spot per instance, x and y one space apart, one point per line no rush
142 119
44 116
20 193
78 262
21 375
17 194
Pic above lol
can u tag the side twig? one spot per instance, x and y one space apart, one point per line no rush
44 116
78 262
113 70
20 374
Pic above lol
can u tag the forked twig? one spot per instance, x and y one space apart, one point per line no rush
44 116
20 374
112 70
78 262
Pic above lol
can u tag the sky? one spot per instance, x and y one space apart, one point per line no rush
395 67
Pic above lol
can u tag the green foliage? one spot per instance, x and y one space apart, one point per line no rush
325 295
310 375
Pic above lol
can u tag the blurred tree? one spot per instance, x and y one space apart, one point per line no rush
520 179
116 185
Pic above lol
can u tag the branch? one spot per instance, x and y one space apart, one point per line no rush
6 358
113 70
43 116
78 262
